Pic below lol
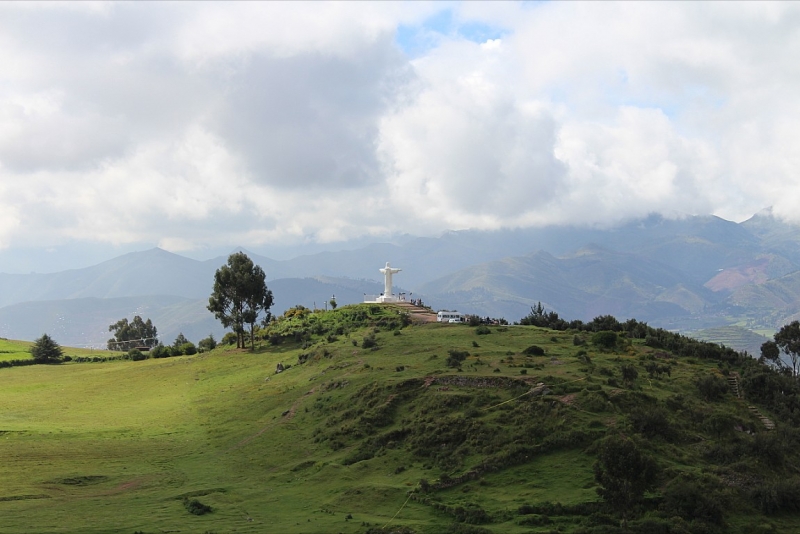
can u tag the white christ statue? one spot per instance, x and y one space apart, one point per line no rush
388 271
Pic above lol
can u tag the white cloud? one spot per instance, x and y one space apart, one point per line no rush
192 124
466 150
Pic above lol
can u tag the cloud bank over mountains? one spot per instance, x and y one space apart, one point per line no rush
195 125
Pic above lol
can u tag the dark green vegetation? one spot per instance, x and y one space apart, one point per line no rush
240 294
375 425
46 350
131 335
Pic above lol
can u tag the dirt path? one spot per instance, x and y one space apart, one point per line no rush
417 313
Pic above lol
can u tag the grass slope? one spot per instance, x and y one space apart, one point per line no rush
347 440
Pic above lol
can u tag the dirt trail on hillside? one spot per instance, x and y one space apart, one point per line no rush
417 313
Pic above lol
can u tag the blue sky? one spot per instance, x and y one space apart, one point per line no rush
416 40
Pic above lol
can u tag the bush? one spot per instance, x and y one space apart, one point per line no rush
369 341
779 495
160 351
629 373
188 348
712 387
136 355
534 350
605 339
207 344
651 422
229 338
624 473
456 357
193 506
770 447
693 500
482 330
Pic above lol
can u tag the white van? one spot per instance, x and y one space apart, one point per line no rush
449 317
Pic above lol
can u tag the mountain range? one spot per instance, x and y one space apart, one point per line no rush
686 274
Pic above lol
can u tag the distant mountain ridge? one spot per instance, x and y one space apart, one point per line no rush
687 274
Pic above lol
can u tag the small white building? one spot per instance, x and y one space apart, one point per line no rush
449 317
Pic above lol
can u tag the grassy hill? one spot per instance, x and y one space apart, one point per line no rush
375 426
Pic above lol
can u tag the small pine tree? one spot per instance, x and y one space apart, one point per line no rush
45 350
180 340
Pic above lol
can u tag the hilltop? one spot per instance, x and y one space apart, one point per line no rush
685 274
378 424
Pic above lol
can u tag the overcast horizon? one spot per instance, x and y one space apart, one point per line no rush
199 127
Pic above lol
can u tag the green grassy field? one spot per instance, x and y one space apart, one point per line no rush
334 444
14 350
20 350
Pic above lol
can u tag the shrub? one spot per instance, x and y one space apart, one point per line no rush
207 344
193 506
624 474
693 499
456 357
769 447
712 387
229 338
462 528
594 402
779 495
136 355
720 425
188 348
629 373
534 350
605 339
651 422
160 351
482 330
369 341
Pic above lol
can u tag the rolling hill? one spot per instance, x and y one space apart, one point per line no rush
426 429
